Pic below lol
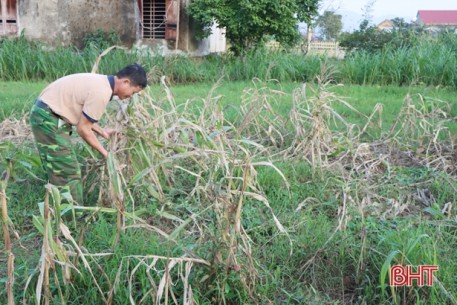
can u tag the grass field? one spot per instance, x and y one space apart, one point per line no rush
18 97
254 193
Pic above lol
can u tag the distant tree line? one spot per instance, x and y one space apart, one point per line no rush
371 39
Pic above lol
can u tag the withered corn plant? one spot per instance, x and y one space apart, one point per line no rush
157 142
362 171
320 133
6 235
160 143
58 250
421 131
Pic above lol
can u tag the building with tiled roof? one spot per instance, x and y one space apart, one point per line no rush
386 25
438 18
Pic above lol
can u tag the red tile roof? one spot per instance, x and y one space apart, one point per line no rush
447 17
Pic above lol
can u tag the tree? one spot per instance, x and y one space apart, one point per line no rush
400 23
367 38
368 11
371 39
249 22
330 25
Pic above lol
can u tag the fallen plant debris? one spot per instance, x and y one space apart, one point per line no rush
158 142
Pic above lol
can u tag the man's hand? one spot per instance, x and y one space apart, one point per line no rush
85 130
108 132
104 132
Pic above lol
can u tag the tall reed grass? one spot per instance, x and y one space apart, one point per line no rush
431 61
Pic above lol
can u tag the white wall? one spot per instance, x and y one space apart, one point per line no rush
215 43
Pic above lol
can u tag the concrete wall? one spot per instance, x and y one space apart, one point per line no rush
64 22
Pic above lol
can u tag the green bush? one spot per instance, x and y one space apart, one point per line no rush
100 39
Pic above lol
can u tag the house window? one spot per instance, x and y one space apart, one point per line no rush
153 19
8 17
158 18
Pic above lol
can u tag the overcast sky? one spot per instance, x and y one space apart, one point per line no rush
353 10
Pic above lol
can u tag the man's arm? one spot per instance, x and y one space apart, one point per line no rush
84 129
106 133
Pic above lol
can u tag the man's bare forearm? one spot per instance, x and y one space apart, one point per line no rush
95 127
85 130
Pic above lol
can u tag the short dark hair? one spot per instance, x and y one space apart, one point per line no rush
135 73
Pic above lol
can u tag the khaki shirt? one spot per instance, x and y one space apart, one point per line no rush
74 94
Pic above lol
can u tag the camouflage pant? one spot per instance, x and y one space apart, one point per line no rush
56 152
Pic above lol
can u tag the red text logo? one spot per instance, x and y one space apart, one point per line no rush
404 275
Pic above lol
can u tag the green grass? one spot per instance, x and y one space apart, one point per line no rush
377 214
18 97
392 99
